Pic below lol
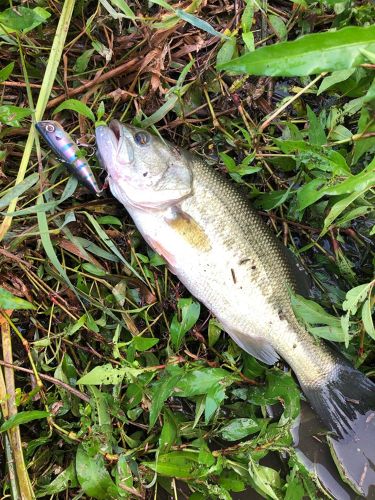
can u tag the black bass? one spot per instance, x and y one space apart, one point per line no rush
228 258
66 149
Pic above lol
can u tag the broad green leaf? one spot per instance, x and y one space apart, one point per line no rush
23 417
308 55
215 396
239 428
338 208
22 19
278 26
335 77
10 301
189 312
105 374
93 269
332 333
179 464
162 389
18 189
226 51
367 318
317 135
109 219
93 476
214 332
83 60
200 381
265 479
65 480
169 431
124 7
11 115
78 106
311 312
143 343
248 15
6 71
355 297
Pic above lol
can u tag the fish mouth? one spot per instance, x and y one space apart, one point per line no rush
114 146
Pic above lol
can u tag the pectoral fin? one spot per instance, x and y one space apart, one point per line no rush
256 346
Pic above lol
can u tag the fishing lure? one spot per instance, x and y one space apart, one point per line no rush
65 148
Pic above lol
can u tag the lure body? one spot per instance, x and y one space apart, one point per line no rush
66 149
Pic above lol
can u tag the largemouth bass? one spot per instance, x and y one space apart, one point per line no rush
228 259
68 152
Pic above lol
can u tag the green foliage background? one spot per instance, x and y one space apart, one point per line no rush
134 389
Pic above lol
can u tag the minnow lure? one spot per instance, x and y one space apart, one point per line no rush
65 148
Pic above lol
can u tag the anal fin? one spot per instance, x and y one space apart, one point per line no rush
256 346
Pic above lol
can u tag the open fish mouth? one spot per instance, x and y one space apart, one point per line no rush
114 145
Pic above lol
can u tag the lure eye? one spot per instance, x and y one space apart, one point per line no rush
50 128
142 138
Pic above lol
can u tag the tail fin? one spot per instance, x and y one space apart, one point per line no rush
346 404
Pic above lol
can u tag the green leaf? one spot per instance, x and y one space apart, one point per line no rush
189 312
11 115
93 476
265 479
179 464
162 3
335 77
22 19
18 189
10 301
355 297
278 26
338 208
311 312
78 106
65 480
169 431
196 382
104 374
83 60
92 269
6 71
316 131
109 219
47 244
215 396
226 51
308 55
239 428
198 23
367 318
274 199
162 389
124 7
23 417
161 112
143 343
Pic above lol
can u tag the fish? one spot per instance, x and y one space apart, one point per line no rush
66 149
217 245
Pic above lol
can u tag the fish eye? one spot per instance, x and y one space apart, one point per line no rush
142 138
50 127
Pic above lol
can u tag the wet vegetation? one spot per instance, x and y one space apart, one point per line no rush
114 381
